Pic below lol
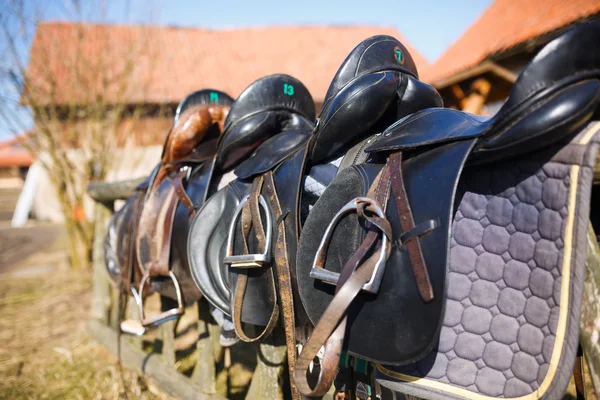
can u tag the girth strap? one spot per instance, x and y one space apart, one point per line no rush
251 217
330 329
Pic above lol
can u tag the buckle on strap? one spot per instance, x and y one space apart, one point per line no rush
165 315
330 277
256 260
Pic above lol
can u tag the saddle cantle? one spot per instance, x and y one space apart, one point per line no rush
146 249
391 265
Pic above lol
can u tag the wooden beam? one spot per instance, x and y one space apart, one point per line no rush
473 103
151 365
478 70
105 192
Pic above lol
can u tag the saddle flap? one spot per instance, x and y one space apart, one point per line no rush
551 120
273 151
428 127
269 106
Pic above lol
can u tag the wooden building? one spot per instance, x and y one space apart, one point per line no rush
476 73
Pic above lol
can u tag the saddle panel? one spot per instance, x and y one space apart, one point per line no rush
405 326
207 241
516 271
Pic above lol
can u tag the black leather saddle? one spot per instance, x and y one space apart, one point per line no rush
374 251
256 235
273 106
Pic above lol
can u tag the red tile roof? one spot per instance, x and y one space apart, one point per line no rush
505 24
172 62
13 154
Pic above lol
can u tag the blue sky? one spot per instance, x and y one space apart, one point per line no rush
430 26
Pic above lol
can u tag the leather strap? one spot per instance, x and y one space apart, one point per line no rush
183 196
415 254
251 217
284 279
330 329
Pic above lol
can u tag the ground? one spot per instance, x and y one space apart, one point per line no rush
45 352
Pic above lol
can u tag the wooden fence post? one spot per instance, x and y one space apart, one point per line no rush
267 379
590 311
101 289
205 372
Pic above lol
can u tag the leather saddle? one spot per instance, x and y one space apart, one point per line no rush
374 254
247 256
146 239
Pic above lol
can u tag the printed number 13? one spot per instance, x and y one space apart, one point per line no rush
288 89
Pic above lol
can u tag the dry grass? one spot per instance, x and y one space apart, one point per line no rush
45 352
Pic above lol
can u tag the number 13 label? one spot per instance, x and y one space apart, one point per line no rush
288 89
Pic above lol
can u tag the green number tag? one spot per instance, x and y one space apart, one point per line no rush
399 55
213 96
288 89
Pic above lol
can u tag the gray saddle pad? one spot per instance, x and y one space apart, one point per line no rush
518 253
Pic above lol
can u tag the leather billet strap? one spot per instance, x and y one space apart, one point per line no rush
251 218
415 254
330 329
284 279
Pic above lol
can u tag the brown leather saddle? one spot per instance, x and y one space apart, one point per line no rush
147 238
375 270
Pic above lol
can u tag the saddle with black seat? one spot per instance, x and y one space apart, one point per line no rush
146 241
458 262
243 245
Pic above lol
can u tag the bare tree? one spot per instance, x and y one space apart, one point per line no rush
83 88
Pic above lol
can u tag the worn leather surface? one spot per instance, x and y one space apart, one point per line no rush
269 106
549 120
374 87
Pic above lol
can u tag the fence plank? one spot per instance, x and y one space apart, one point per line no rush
151 366
267 380
101 290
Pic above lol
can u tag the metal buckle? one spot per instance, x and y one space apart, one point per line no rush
249 260
165 315
331 277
